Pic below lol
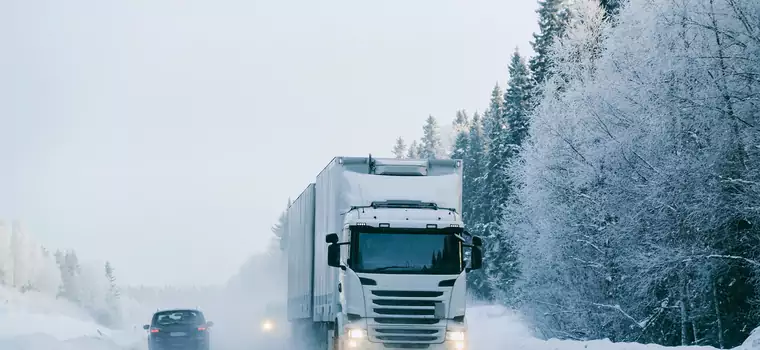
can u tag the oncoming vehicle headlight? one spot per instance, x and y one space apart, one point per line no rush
267 325
455 336
356 333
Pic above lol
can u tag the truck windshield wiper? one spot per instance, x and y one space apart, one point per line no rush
390 267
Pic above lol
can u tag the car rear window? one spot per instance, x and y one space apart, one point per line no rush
181 317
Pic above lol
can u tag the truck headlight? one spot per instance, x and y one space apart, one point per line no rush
267 325
455 336
356 333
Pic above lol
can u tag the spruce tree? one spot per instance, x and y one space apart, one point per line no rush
113 315
553 18
70 276
111 279
414 150
459 150
431 139
399 149
474 190
461 128
461 122
497 135
474 173
516 103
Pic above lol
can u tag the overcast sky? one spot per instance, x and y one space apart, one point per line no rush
166 136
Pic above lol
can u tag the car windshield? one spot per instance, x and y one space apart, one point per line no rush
411 252
181 317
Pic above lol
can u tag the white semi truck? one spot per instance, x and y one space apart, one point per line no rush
378 257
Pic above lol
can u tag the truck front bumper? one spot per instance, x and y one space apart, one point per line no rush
364 344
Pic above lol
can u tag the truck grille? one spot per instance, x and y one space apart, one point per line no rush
406 319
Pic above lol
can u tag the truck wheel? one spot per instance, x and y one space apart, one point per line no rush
336 340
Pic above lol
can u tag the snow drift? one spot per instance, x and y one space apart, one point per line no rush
36 321
497 328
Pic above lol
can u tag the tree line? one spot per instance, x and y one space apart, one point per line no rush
616 176
27 266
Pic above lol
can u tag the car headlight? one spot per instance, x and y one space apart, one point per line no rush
267 326
455 336
356 333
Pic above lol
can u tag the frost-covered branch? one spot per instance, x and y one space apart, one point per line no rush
617 308
719 256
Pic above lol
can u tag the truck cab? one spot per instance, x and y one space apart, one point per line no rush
402 278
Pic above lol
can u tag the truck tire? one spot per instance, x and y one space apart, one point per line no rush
336 339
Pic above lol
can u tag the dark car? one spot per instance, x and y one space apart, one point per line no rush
181 329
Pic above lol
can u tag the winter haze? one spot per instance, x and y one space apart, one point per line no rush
612 170
166 136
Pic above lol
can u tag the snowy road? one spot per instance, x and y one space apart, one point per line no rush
492 328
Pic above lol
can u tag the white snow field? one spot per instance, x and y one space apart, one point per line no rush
34 321
496 328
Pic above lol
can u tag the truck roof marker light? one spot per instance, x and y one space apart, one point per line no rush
385 224
431 226
361 224
454 225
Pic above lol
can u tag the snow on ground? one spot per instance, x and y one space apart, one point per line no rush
34 321
496 328
31 321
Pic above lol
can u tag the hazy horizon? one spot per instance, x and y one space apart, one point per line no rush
166 137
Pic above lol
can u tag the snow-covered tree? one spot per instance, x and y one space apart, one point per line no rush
552 19
474 194
461 122
517 104
399 149
461 142
634 209
414 150
497 141
280 230
506 140
48 277
112 297
461 128
71 284
6 258
431 140
611 7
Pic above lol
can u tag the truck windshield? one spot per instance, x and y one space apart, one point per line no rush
419 252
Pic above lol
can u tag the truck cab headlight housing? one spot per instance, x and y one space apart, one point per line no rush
455 336
356 333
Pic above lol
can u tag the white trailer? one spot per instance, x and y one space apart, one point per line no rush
376 256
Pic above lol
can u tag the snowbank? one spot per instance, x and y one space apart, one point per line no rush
496 328
35 321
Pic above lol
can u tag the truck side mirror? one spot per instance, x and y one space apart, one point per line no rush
477 258
477 241
333 255
331 238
